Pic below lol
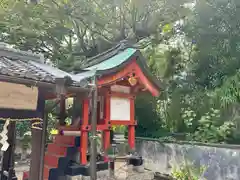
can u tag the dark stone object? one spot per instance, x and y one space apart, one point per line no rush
84 170
135 161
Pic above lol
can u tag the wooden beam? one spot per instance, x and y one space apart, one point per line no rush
131 68
40 84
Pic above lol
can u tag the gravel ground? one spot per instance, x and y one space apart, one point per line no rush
121 173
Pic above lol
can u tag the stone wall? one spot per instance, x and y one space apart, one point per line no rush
220 163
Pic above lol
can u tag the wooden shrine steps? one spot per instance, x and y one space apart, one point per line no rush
58 156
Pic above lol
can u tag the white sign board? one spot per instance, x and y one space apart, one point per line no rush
17 96
119 109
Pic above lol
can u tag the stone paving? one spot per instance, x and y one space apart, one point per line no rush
122 172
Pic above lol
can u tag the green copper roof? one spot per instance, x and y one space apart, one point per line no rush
116 58
114 61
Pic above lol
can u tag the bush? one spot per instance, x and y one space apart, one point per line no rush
188 172
209 128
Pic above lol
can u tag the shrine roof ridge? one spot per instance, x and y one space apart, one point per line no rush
12 53
108 54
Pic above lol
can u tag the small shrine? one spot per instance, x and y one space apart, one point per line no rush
118 75
121 74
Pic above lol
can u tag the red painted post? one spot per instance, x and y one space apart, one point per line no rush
84 133
131 128
106 133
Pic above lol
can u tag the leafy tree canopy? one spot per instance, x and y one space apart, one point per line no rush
69 31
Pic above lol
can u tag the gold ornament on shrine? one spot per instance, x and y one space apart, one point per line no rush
132 81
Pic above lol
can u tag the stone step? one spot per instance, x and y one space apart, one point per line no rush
104 175
55 173
84 170
52 173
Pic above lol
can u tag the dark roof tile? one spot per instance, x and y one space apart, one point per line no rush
30 66
23 69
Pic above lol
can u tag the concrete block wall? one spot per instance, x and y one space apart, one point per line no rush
221 162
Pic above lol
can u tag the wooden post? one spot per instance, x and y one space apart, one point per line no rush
11 171
37 134
35 154
106 134
61 92
43 143
93 155
62 113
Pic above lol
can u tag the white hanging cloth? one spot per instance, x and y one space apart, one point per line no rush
4 136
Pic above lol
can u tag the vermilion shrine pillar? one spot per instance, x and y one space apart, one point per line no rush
106 132
131 127
84 132
119 110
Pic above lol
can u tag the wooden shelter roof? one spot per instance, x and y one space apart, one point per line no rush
22 66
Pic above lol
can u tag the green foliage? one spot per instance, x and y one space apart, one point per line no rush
149 123
204 102
197 61
119 129
229 92
187 172
213 26
26 140
188 116
68 32
98 139
52 122
209 128
23 127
